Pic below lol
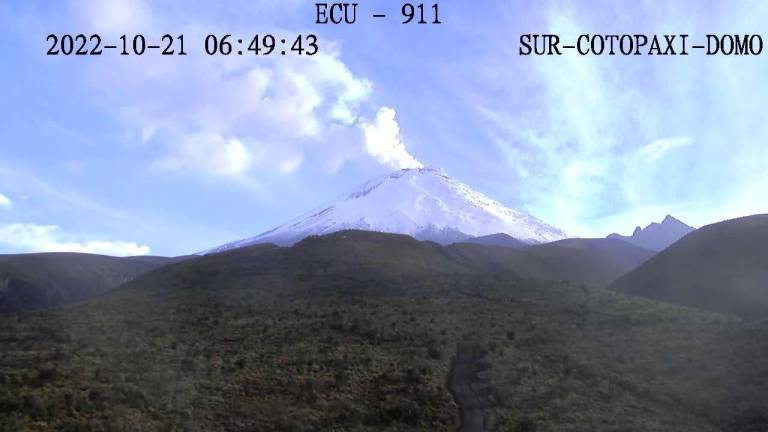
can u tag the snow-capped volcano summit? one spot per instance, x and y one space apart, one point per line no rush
421 202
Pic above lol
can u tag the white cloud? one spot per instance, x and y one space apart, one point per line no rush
289 165
233 116
382 140
237 117
212 153
113 16
659 148
47 238
5 201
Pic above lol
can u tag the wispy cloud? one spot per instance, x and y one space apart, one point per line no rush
657 149
5 201
113 16
47 238
601 142
26 185
245 119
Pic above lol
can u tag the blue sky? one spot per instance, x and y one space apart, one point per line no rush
171 155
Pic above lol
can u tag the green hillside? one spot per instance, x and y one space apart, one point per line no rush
357 332
500 239
721 267
595 262
37 281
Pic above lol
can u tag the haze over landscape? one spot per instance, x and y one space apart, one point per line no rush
379 331
415 229
191 145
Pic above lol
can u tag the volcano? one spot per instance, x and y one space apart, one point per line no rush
424 203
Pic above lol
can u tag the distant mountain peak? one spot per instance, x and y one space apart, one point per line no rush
657 236
671 220
424 203
720 267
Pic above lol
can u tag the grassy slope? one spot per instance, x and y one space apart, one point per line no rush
595 262
721 267
34 281
357 333
501 239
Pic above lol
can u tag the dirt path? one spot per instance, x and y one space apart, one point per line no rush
467 388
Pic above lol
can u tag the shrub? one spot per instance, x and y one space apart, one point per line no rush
401 410
526 425
434 353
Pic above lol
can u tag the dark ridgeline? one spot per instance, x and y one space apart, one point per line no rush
500 239
357 331
721 267
46 280
41 281
595 262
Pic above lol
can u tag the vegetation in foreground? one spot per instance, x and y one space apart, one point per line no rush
295 341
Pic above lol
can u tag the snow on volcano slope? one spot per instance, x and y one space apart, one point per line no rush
422 202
